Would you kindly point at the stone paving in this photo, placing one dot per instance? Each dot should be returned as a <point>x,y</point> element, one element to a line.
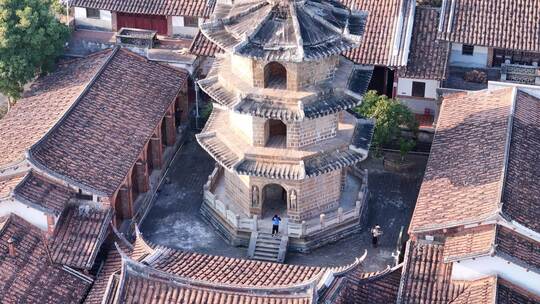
<point>174,219</point>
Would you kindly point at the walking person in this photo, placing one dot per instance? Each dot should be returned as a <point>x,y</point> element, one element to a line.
<point>275,225</point>
<point>375,233</point>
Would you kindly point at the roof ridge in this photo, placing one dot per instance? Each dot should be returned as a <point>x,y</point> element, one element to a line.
<point>29,152</point>
<point>509,134</point>
<point>304,286</point>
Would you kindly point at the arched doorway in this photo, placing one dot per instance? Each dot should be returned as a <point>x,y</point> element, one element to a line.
<point>275,76</point>
<point>274,199</point>
<point>277,133</point>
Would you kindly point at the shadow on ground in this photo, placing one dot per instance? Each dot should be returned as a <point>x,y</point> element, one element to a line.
<point>174,219</point>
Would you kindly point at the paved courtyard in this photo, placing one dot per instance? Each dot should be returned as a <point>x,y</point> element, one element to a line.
<point>174,219</point>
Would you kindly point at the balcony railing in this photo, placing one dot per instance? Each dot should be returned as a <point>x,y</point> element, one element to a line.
<point>297,230</point>
<point>525,74</point>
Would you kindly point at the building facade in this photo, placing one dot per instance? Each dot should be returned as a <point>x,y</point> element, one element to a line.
<point>167,18</point>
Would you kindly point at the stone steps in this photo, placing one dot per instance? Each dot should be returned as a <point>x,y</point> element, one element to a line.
<point>265,247</point>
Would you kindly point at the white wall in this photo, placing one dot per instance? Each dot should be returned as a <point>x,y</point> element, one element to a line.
<point>404,87</point>
<point>181,30</point>
<point>478,59</point>
<point>35,217</point>
<point>103,23</point>
<point>484,266</point>
<point>243,124</point>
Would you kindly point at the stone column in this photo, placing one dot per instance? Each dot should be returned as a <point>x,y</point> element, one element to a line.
<point>126,202</point>
<point>170,130</point>
<point>141,172</point>
<point>157,150</point>
<point>114,22</point>
<point>169,26</point>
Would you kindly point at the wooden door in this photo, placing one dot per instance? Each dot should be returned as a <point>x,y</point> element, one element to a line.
<point>146,22</point>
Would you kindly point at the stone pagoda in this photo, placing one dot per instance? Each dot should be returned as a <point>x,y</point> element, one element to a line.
<point>280,131</point>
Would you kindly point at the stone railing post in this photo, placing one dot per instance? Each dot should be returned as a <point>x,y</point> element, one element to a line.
<point>304,228</point>
<point>255,223</point>
<point>357,207</point>
<point>340,214</point>
<point>322,216</point>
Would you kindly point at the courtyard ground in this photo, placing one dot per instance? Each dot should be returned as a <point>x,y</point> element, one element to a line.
<point>174,219</point>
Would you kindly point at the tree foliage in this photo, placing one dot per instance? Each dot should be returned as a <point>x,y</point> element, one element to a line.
<point>391,116</point>
<point>31,39</point>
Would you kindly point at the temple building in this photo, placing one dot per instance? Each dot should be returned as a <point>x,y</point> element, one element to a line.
<point>95,134</point>
<point>279,131</point>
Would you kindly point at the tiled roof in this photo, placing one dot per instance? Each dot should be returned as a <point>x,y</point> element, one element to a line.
<point>44,104</point>
<point>464,172</point>
<point>521,194</point>
<point>385,37</point>
<point>78,235</point>
<point>8,184</point>
<point>40,191</point>
<point>269,169</point>
<point>517,246</point>
<point>30,277</point>
<point>469,164</point>
<point>375,287</point>
<point>113,263</point>
<point>201,46</point>
<point>231,271</point>
<point>508,293</point>
<point>426,278</point>
<point>218,150</point>
<point>469,243</point>
<point>481,291</point>
<point>427,55</point>
<point>99,139</point>
<point>285,31</point>
<point>142,284</point>
<point>506,24</point>
<point>198,8</point>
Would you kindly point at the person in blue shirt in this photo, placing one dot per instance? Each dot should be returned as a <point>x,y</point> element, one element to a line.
<point>275,225</point>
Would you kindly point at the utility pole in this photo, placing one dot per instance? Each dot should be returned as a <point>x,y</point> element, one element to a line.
<point>196,103</point>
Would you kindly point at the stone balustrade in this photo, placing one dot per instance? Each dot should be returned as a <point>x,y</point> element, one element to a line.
<point>292,229</point>
<point>525,74</point>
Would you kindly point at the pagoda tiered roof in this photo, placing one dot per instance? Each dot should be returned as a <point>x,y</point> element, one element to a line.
<point>340,93</point>
<point>285,30</point>
<point>351,145</point>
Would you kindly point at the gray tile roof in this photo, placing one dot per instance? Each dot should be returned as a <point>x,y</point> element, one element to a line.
<point>290,31</point>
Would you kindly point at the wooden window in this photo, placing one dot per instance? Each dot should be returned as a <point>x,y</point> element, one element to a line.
<point>467,50</point>
<point>190,21</point>
<point>92,13</point>
<point>418,89</point>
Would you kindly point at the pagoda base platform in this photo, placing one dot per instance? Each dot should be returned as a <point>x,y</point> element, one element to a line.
<point>236,227</point>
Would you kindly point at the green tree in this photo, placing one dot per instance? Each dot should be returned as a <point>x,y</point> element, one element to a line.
<point>31,39</point>
<point>391,116</point>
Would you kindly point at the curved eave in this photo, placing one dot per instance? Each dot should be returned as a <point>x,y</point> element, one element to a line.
<point>287,171</point>
<point>218,150</point>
